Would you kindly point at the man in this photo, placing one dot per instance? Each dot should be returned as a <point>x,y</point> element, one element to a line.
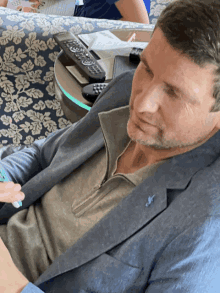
<point>128,198</point>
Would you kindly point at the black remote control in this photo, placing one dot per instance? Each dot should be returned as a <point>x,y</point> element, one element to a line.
<point>91,91</point>
<point>134,56</point>
<point>78,52</point>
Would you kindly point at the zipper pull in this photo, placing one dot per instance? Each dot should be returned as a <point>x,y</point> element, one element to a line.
<point>100,185</point>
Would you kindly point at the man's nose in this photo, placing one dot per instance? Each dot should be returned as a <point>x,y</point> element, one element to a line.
<point>149,99</point>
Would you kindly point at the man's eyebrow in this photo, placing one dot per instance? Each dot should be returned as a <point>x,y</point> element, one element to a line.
<point>170,86</point>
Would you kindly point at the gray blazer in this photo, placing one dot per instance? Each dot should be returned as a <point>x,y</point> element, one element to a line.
<point>163,237</point>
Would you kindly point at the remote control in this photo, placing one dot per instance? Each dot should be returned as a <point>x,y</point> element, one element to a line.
<point>3,178</point>
<point>76,51</point>
<point>134,56</point>
<point>91,91</point>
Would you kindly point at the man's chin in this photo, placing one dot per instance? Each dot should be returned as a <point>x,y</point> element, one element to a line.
<point>142,138</point>
<point>139,138</point>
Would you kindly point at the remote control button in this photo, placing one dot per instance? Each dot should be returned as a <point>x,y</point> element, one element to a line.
<point>74,49</point>
<point>81,47</point>
<point>79,55</point>
<point>87,62</point>
<point>71,43</point>
<point>68,44</point>
<point>96,67</point>
<point>91,70</point>
<point>78,44</point>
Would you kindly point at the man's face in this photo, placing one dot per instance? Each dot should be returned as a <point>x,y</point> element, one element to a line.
<point>180,120</point>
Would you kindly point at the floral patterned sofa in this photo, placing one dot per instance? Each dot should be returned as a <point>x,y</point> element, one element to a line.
<point>29,109</point>
<point>156,7</point>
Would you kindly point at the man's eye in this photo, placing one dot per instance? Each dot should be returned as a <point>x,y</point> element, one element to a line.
<point>146,68</point>
<point>171,93</point>
<point>148,71</point>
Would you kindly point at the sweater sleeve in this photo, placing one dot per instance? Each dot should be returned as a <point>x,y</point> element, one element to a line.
<point>24,164</point>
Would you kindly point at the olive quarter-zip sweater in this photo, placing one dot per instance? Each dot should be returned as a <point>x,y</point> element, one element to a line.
<point>36,236</point>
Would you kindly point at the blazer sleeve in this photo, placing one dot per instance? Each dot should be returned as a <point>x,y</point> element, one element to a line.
<point>24,164</point>
<point>191,262</point>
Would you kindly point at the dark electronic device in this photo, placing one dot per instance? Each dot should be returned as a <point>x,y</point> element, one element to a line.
<point>134,56</point>
<point>76,51</point>
<point>122,64</point>
<point>91,91</point>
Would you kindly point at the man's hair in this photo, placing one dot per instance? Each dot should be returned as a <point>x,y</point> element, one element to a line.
<point>193,29</point>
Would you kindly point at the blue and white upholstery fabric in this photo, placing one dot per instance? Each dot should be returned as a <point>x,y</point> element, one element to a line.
<point>29,109</point>
<point>156,7</point>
